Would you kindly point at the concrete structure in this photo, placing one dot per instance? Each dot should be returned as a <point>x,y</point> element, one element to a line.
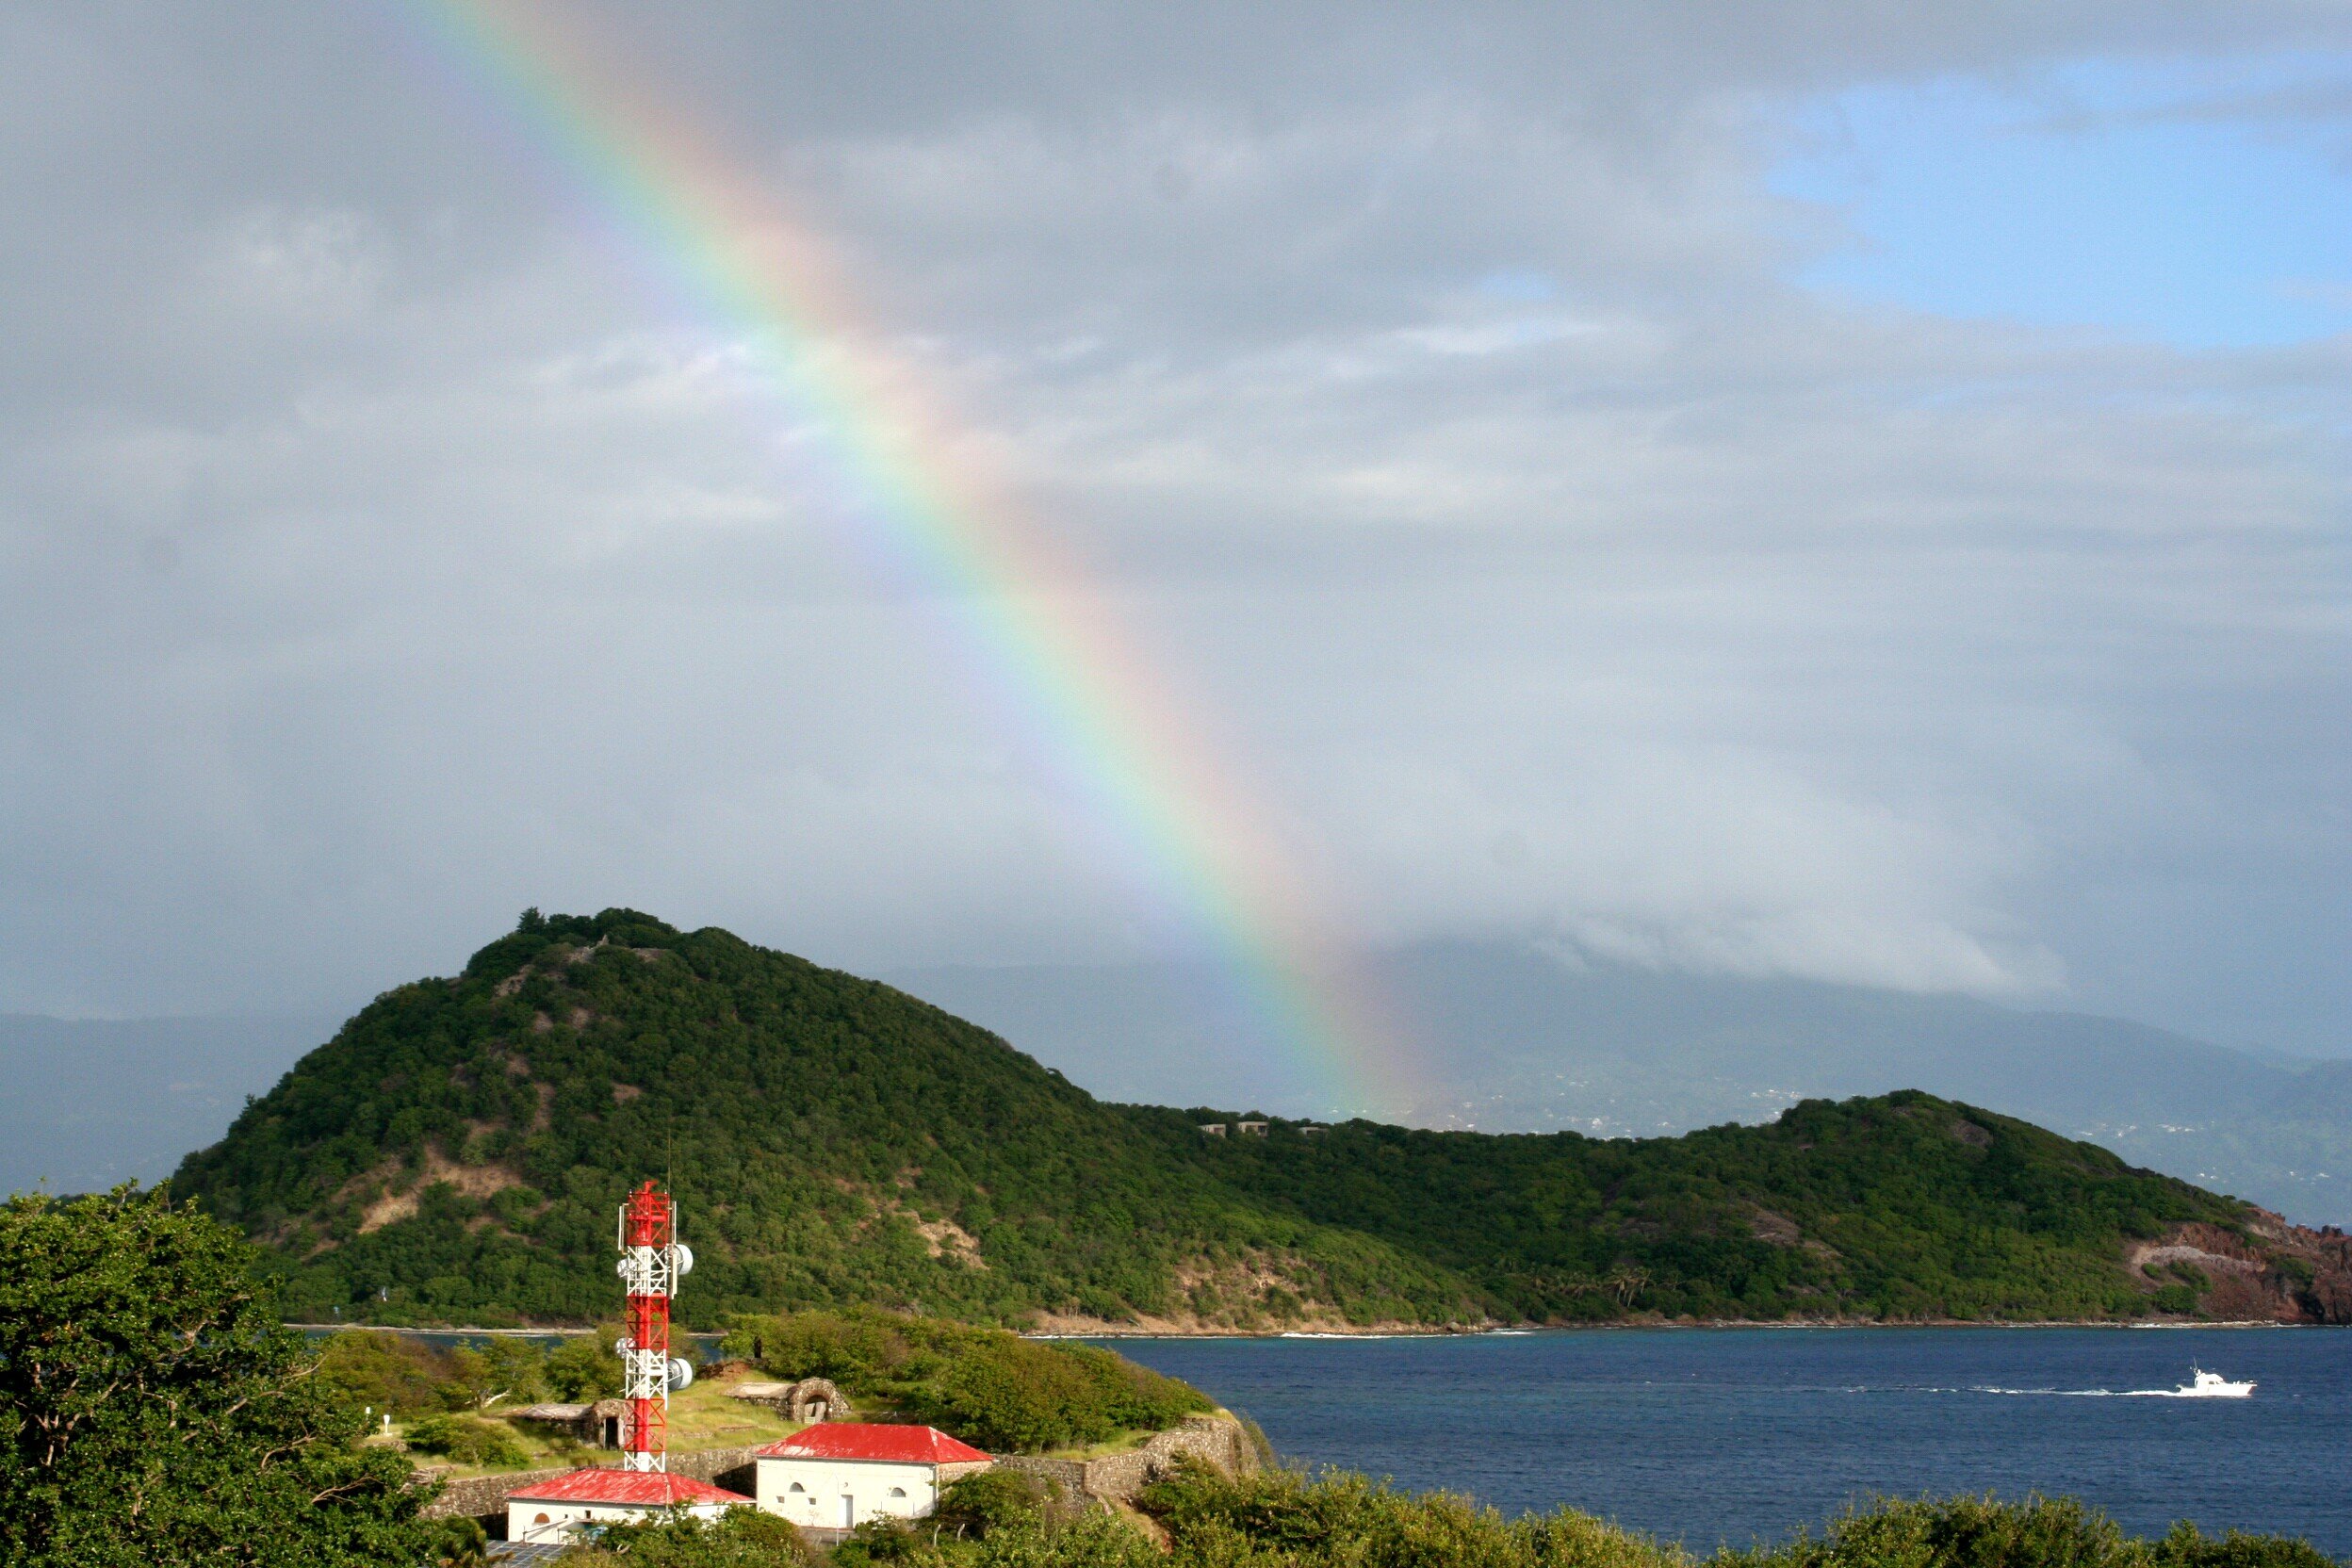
<point>839,1476</point>
<point>599,1426</point>
<point>809,1400</point>
<point>1215,1129</point>
<point>555,1510</point>
<point>1217,1441</point>
<point>1250,1129</point>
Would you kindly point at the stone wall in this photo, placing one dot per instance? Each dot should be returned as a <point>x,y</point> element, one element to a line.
<point>480,1496</point>
<point>1118,1478</point>
<point>732,1468</point>
<point>1065,1481</point>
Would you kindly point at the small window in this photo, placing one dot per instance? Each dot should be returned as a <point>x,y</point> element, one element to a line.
<point>898,1492</point>
<point>541,1520</point>
<point>796,1486</point>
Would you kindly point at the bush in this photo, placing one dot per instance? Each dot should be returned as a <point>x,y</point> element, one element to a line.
<point>467,1440</point>
<point>1341,1521</point>
<point>2184,1547</point>
<point>994,1500</point>
<point>1348,1522</point>
<point>2039,1532</point>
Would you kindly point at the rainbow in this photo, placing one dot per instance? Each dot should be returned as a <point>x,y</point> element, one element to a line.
<point>1024,611</point>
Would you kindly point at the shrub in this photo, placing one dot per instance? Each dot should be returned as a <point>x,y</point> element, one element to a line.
<point>997,1499</point>
<point>1089,1540</point>
<point>2039,1532</point>
<point>1348,1522</point>
<point>467,1440</point>
<point>2184,1547</point>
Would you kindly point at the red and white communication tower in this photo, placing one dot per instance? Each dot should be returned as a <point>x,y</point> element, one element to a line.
<point>653,1260</point>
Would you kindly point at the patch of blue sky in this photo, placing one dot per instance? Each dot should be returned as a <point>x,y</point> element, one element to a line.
<point>1519,286</point>
<point>2198,203</point>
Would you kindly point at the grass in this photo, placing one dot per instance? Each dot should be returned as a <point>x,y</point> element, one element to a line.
<point>1124,1442</point>
<point>703,1417</point>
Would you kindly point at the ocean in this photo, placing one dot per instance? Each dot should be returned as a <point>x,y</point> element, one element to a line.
<point>1732,1435</point>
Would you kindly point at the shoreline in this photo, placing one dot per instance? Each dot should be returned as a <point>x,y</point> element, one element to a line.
<point>1115,1331</point>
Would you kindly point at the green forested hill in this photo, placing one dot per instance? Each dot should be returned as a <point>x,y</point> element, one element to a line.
<point>456,1151</point>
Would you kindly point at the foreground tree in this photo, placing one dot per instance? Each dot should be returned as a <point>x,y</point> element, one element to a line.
<point>154,1412</point>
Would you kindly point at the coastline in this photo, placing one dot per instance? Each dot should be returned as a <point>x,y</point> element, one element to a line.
<point>1697,1326</point>
<point>1067,1328</point>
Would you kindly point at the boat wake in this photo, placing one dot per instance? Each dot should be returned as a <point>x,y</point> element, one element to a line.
<point>2203,1386</point>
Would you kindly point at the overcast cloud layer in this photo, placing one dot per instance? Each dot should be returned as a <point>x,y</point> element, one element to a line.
<point>385,545</point>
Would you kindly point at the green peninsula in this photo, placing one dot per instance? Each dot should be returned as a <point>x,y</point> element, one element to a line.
<point>455,1153</point>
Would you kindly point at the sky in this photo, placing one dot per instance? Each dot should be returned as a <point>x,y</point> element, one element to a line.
<point>1835,492</point>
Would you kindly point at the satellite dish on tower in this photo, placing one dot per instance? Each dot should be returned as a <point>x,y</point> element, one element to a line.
<point>681,1375</point>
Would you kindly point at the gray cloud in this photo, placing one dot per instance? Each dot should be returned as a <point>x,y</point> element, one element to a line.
<point>381,546</point>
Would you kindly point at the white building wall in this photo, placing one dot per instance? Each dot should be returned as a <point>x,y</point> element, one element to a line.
<point>838,1494</point>
<point>559,1521</point>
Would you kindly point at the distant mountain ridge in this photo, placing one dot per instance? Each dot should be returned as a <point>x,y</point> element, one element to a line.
<point>1515,1040</point>
<point>453,1153</point>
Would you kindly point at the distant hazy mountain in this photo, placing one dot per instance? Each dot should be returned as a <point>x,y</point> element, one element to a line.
<point>1513,1041</point>
<point>92,1104</point>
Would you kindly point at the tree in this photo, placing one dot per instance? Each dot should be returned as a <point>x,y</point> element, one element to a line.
<point>505,1368</point>
<point>585,1368</point>
<point>383,1373</point>
<point>155,1412</point>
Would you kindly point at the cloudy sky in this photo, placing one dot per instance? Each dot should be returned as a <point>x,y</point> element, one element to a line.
<point>1855,492</point>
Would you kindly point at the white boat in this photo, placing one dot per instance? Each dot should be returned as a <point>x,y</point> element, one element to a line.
<point>2212,1385</point>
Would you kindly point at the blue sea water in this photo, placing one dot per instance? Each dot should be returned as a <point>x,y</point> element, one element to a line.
<point>1713,1436</point>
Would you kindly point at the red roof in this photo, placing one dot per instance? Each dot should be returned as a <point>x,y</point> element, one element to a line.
<point>638,1488</point>
<point>860,1440</point>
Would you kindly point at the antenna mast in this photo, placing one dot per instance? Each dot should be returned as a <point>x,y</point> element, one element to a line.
<point>653,1260</point>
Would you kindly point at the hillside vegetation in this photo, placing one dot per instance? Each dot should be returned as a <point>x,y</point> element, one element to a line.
<point>992,1389</point>
<point>456,1151</point>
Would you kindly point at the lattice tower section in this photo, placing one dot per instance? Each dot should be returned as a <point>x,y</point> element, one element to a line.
<point>652,1262</point>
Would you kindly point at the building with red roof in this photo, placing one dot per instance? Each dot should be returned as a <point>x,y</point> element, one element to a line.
<point>838,1474</point>
<point>557,1509</point>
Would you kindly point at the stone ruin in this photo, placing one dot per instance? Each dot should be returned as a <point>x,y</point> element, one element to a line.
<point>811,1399</point>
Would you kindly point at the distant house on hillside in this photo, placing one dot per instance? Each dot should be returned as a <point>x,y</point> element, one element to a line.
<point>1214,1129</point>
<point>1250,1129</point>
<point>837,1476</point>
<point>559,1509</point>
